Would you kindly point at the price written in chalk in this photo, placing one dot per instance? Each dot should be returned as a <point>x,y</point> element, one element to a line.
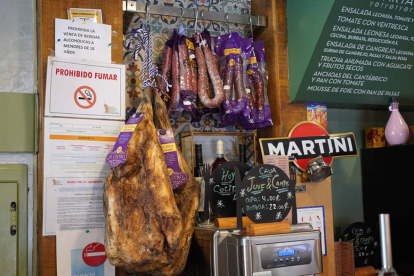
<point>267,194</point>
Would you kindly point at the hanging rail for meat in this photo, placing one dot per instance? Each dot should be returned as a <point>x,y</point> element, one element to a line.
<point>246,19</point>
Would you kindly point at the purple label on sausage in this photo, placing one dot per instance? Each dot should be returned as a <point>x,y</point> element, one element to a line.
<point>118,154</point>
<point>169,147</point>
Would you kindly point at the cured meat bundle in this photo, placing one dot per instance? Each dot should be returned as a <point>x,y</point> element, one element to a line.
<point>186,197</point>
<point>148,225</point>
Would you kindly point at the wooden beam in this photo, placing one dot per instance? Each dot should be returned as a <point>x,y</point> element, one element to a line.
<point>47,11</point>
<point>284,114</point>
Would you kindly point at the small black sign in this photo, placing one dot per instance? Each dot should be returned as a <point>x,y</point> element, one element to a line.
<point>362,236</point>
<point>222,188</point>
<point>267,194</point>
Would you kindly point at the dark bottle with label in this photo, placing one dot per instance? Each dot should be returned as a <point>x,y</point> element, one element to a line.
<point>242,153</point>
<point>198,175</point>
<point>220,155</point>
<point>198,160</point>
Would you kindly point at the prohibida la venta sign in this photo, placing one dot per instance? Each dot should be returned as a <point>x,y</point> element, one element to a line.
<point>308,140</point>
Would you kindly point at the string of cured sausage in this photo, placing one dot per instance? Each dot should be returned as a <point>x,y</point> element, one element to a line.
<point>224,78</point>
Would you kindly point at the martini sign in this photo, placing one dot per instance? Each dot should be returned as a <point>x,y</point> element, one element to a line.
<point>308,140</point>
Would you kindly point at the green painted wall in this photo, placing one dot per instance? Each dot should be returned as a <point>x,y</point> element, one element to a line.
<point>17,122</point>
<point>347,178</point>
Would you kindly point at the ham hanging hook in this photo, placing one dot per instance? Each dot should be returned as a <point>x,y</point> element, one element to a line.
<point>202,19</point>
<point>148,15</point>
<point>196,19</point>
<point>228,23</point>
<point>179,19</point>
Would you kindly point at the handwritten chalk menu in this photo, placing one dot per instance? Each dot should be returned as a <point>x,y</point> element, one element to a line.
<point>351,51</point>
<point>82,41</point>
<point>267,194</point>
<point>362,236</point>
<point>222,188</point>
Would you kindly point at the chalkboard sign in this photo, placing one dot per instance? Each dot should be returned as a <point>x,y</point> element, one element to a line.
<point>267,194</point>
<point>362,236</point>
<point>222,188</point>
<point>351,51</point>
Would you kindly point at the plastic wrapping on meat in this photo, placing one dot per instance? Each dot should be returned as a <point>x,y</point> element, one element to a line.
<point>166,69</point>
<point>174,108</point>
<point>256,80</point>
<point>187,98</point>
<point>229,49</point>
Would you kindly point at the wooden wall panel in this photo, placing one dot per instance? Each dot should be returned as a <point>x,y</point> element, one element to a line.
<point>286,114</point>
<point>47,11</point>
<point>319,194</point>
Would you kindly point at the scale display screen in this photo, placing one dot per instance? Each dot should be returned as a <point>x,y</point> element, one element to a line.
<point>286,253</point>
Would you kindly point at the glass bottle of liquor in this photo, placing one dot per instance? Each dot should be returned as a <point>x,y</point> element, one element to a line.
<point>220,155</point>
<point>242,153</point>
<point>198,160</point>
<point>198,175</point>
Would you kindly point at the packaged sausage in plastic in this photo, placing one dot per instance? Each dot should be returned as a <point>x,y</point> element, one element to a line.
<point>204,86</point>
<point>163,85</point>
<point>192,59</point>
<point>187,97</point>
<point>208,67</point>
<point>174,108</point>
<point>232,66</point>
<point>257,71</point>
<point>247,122</point>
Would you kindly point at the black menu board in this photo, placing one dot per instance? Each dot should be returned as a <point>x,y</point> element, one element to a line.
<point>362,236</point>
<point>222,188</point>
<point>267,194</point>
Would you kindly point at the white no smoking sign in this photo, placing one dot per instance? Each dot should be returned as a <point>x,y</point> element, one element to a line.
<point>85,89</point>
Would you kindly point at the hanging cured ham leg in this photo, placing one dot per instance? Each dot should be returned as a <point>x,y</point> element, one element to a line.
<point>144,226</point>
<point>148,226</point>
<point>186,197</point>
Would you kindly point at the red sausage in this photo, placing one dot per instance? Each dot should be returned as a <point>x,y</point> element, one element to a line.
<point>202,72</point>
<point>175,82</point>
<point>250,93</point>
<point>228,79</point>
<point>212,68</point>
<point>192,59</point>
<point>259,87</point>
<point>166,63</point>
<point>238,77</point>
<point>185,72</point>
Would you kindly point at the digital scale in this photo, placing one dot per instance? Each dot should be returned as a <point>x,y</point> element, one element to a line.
<point>229,252</point>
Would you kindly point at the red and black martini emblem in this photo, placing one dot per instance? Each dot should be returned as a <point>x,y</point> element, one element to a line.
<point>308,140</point>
